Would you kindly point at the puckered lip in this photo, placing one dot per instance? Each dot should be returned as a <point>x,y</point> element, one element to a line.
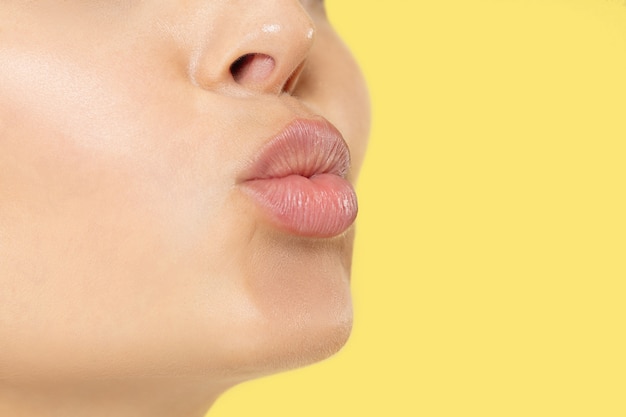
<point>298,180</point>
<point>305,147</point>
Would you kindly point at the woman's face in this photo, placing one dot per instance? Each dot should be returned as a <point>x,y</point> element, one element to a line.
<point>171,200</point>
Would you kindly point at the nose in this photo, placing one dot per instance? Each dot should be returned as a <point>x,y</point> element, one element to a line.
<point>260,47</point>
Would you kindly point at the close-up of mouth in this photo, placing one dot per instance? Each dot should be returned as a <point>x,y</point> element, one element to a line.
<point>298,178</point>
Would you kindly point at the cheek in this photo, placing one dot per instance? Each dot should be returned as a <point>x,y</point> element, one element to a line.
<point>82,158</point>
<point>107,236</point>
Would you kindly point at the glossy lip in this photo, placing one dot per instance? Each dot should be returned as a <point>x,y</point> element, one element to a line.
<point>299,180</point>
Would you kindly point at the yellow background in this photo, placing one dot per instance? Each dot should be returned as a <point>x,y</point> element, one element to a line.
<point>490,268</point>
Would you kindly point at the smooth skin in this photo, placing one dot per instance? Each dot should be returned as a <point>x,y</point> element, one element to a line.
<point>136,279</point>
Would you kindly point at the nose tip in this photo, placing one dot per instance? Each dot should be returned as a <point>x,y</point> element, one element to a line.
<point>263,51</point>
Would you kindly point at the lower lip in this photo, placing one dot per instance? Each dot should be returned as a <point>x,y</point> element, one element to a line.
<point>324,205</point>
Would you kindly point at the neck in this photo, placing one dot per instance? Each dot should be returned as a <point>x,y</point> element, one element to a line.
<point>138,397</point>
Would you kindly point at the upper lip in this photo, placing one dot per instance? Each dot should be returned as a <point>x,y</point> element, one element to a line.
<point>305,147</point>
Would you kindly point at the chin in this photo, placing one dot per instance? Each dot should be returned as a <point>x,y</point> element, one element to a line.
<point>299,304</point>
<point>277,346</point>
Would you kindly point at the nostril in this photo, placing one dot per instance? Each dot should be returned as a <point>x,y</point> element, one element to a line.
<point>252,68</point>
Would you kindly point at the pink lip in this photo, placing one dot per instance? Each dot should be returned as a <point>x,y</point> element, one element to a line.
<point>299,180</point>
